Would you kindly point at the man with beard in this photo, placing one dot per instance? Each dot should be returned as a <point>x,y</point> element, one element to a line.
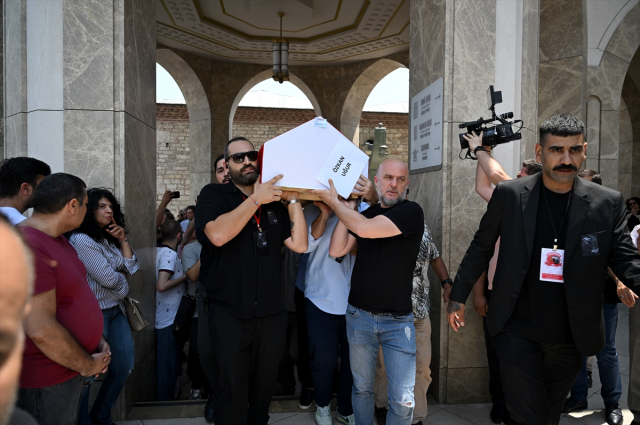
<point>244,226</point>
<point>379,310</point>
<point>546,303</point>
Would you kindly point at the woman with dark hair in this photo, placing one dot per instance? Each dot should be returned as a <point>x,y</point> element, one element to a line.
<point>633,212</point>
<point>103,247</point>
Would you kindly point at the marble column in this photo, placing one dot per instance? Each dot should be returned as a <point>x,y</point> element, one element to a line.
<point>80,95</point>
<point>471,44</point>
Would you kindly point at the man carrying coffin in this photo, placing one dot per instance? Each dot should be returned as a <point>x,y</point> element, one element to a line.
<point>246,225</point>
<point>379,311</point>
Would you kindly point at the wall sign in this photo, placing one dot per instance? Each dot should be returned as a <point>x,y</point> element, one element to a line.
<point>425,133</point>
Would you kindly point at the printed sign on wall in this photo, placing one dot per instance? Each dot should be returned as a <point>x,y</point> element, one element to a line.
<point>425,140</point>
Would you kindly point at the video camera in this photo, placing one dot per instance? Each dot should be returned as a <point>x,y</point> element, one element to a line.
<point>495,135</point>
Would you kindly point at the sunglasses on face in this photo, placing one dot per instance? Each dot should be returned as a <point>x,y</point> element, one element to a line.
<point>238,158</point>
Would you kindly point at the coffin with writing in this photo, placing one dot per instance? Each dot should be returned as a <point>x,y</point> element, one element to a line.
<point>309,155</point>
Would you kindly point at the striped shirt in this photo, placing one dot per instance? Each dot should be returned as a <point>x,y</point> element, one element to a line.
<point>104,262</point>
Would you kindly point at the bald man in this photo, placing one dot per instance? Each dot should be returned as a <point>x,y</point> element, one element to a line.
<point>16,263</point>
<point>379,314</point>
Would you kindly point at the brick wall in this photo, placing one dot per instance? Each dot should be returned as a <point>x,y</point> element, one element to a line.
<point>257,125</point>
<point>172,143</point>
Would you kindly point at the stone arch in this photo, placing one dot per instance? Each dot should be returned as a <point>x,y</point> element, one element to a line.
<point>200,167</point>
<point>358,94</point>
<point>265,75</point>
<point>606,82</point>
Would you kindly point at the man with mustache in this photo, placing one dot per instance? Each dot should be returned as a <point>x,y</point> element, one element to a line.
<point>244,225</point>
<point>379,310</point>
<point>546,305</point>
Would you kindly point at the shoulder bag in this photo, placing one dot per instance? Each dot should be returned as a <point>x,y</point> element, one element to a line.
<point>137,321</point>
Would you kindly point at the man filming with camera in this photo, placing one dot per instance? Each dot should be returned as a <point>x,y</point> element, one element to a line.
<point>546,306</point>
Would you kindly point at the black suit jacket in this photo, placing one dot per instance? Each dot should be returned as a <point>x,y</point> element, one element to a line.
<point>511,215</point>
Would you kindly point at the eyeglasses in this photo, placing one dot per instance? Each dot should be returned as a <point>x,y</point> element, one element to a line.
<point>238,158</point>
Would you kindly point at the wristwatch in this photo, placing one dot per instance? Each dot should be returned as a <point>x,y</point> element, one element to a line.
<point>479,148</point>
<point>293,201</point>
<point>444,282</point>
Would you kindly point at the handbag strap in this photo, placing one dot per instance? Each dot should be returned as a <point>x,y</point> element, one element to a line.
<point>135,309</point>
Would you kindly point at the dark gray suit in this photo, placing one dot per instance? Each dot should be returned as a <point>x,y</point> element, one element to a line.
<point>512,216</point>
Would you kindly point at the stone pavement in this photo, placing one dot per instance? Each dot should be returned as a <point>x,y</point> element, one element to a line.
<point>469,414</point>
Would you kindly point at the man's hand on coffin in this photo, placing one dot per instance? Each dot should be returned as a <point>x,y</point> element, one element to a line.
<point>364,187</point>
<point>349,203</point>
<point>265,193</point>
<point>328,196</point>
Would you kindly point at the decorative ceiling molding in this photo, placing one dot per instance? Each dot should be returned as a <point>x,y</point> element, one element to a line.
<point>380,28</point>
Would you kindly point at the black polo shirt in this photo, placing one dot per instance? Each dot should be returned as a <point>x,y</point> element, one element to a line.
<point>237,280</point>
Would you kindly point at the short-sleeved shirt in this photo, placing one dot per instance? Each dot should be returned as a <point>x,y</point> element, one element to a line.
<point>13,215</point>
<point>190,256</point>
<point>167,302</point>
<point>382,279</point>
<point>239,281</point>
<point>420,294</point>
<point>58,267</point>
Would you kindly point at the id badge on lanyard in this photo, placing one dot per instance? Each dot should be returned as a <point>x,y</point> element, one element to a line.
<point>260,236</point>
<point>552,259</point>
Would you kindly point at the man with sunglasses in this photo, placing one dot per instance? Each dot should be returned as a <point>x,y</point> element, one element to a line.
<point>244,226</point>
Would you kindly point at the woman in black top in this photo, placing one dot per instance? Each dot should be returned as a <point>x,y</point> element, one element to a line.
<point>633,212</point>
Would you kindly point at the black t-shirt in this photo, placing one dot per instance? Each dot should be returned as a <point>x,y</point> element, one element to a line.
<point>382,278</point>
<point>237,279</point>
<point>541,313</point>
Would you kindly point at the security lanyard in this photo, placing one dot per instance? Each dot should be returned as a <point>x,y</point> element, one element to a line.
<point>256,217</point>
<point>553,222</point>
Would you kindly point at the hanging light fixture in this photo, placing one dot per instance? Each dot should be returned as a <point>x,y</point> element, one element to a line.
<point>280,56</point>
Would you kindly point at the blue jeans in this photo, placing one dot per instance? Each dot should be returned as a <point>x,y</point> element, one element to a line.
<point>396,335</point>
<point>118,335</point>
<point>608,365</point>
<point>166,364</point>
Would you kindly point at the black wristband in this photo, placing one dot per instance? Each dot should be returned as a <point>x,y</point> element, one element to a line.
<point>479,148</point>
<point>444,282</point>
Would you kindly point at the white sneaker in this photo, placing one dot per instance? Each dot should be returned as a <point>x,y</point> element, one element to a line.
<point>345,420</point>
<point>323,416</point>
<point>195,394</point>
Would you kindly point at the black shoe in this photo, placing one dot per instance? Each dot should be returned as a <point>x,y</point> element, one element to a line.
<point>573,405</point>
<point>613,414</point>
<point>499,414</point>
<point>589,380</point>
<point>208,409</point>
<point>306,398</point>
<point>381,415</point>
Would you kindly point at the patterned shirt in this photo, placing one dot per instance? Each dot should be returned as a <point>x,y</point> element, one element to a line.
<point>420,294</point>
<point>105,263</point>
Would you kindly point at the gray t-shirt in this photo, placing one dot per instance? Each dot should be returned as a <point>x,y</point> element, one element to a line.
<point>190,256</point>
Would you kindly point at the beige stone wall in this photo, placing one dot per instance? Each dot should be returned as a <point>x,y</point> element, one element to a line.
<point>172,167</point>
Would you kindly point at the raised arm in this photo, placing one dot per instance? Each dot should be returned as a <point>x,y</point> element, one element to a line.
<point>299,239</point>
<point>492,168</point>
<point>166,198</point>
<point>55,341</point>
<point>342,242</point>
<point>227,226</point>
<point>374,228</point>
<point>483,184</point>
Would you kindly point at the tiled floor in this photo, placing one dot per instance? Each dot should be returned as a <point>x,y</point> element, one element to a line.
<point>469,414</point>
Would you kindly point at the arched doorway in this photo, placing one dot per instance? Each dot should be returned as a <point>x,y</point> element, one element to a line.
<point>265,75</point>
<point>358,94</point>
<point>200,166</point>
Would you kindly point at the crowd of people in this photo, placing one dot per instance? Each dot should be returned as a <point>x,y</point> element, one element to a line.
<point>256,283</point>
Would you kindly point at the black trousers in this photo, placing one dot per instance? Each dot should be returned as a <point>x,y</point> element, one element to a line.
<point>536,377</point>
<point>495,382</point>
<point>248,353</point>
<point>207,359</point>
<point>327,342</point>
<point>286,376</point>
<point>304,358</point>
